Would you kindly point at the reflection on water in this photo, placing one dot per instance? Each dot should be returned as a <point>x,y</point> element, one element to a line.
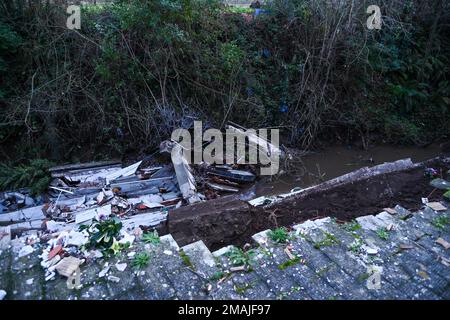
<point>336,161</point>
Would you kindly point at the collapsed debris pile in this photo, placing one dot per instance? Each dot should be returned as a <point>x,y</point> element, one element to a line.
<point>97,209</point>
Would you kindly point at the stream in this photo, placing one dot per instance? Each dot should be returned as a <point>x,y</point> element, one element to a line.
<point>339,160</point>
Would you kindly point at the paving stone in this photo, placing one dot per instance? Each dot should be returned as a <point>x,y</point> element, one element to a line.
<point>307,281</point>
<point>57,290</point>
<point>356,268</point>
<point>329,271</point>
<point>280,283</point>
<point>201,258</point>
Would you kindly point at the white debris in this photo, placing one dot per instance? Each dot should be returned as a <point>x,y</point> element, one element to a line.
<point>371,251</point>
<point>131,254</point>
<point>75,238</point>
<point>121,266</point>
<point>49,275</point>
<point>30,281</point>
<point>98,213</point>
<point>53,226</point>
<point>102,273</point>
<point>94,254</point>
<point>127,238</point>
<point>168,252</point>
<point>104,196</point>
<point>113,279</point>
<point>2,294</point>
<point>25,250</point>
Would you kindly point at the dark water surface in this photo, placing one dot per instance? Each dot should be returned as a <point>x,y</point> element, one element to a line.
<point>336,161</point>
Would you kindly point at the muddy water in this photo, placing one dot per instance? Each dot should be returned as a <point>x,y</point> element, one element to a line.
<point>336,161</point>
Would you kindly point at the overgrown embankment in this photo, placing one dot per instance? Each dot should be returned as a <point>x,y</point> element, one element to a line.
<point>138,69</point>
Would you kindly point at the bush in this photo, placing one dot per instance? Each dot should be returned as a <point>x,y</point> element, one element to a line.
<point>35,175</point>
<point>139,69</point>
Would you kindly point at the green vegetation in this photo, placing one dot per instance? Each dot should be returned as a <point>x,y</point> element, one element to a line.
<point>141,260</point>
<point>244,10</point>
<point>441,222</point>
<point>217,276</point>
<point>289,263</point>
<point>382,233</point>
<point>186,259</point>
<point>103,235</point>
<point>328,241</point>
<point>139,69</point>
<point>279,235</point>
<point>352,226</point>
<point>241,289</point>
<point>239,257</point>
<point>447,195</point>
<point>355,246</point>
<point>34,175</point>
<point>151,237</point>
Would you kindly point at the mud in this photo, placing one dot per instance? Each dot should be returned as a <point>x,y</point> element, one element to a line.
<point>228,220</point>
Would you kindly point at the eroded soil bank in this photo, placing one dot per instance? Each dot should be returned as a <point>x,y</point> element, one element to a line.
<point>229,220</point>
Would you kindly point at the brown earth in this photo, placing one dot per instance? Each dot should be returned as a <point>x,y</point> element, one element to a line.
<point>228,220</point>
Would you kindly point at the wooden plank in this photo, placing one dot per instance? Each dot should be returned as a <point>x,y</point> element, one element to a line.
<point>186,181</point>
<point>125,172</point>
<point>86,165</point>
<point>27,214</point>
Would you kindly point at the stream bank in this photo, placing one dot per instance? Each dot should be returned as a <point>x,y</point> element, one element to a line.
<point>367,191</point>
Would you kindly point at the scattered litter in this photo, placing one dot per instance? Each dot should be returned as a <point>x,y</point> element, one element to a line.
<point>78,239</point>
<point>121,266</point>
<point>97,213</point>
<point>431,173</point>
<point>289,253</point>
<point>113,279</point>
<point>137,232</point>
<point>168,252</point>
<point>127,238</point>
<point>238,269</point>
<point>67,266</point>
<point>425,201</point>
<point>30,281</point>
<point>436,206</point>
<point>53,226</point>
<point>443,243</point>
<point>25,250</point>
<point>445,261</point>
<point>371,251</point>
<point>104,271</point>
<point>390,227</point>
<point>55,251</point>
